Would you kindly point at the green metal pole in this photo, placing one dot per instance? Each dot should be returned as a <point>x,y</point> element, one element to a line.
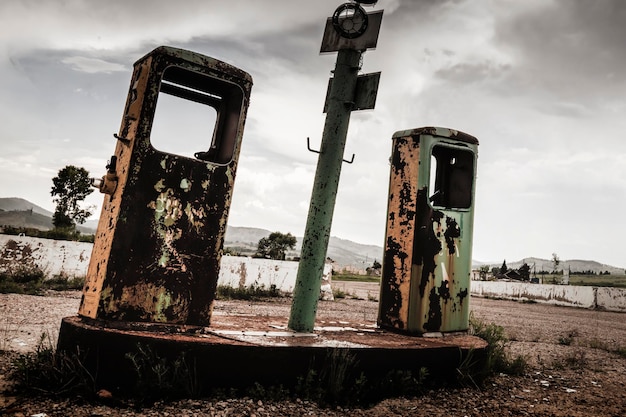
<point>317,233</point>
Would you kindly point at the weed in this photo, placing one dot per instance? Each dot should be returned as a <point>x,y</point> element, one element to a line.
<point>355,277</point>
<point>340,362</point>
<point>568,338</point>
<point>396,383</point>
<point>576,359</point>
<point>31,280</point>
<point>467,370</point>
<point>308,386</point>
<point>558,364</point>
<point>253,292</point>
<point>64,283</point>
<point>47,372</point>
<point>271,393</point>
<point>355,296</point>
<point>23,280</point>
<point>327,384</point>
<point>606,346</point>
<point>497,359</point>
<point>338,293</point>
<point>518,365</point>
<point>337,382</point>
<point>599,344</point>
<point>160,377</point>
<point>371,297</point>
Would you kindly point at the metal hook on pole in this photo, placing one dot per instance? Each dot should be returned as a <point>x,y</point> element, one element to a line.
<point>308,146</point>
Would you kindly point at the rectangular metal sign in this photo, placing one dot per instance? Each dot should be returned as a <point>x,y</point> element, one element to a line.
<point>332,41</point>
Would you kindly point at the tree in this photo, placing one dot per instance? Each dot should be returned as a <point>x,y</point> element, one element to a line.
<point>524,272</point>
<point>374,269</point>
<point>504,268</point>
<point>483,271</point>
<point>555,263</point>
<point>275,245</point>
<point>69,188</point>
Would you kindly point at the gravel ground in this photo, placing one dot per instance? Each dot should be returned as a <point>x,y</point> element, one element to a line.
<point>574,368</point>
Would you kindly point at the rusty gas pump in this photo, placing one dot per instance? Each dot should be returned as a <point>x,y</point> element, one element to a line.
<point>428,243</point>
<point>162,226</point>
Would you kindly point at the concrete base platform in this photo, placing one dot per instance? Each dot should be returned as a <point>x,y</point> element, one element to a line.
<point>239,351</point>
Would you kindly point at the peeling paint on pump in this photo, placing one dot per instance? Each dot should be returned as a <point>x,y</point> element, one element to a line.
<point>161,231</point>
<point>427,260</point>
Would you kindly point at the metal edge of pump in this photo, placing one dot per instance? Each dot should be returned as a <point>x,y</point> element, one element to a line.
<point>199,59</point>
<point>437,131</point>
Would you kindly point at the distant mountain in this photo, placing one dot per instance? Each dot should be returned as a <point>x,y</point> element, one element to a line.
<point>19,204</point>
<point>244,236</point>
<point>22,213</point>
<point>18,212</point>
<point>575,265</point>
<point>343,252</point>
<point>25,218</point>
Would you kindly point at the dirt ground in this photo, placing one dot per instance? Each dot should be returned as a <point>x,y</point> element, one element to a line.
<point>574,370</point>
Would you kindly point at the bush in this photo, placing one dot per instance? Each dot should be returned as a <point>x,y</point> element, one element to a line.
<point>31,281</point>
<point>25,280</point>
<point>64,283</point>
<point>252,292</point>
<point>498,360</point>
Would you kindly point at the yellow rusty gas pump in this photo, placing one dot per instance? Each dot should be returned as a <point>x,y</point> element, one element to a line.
<point>428,243</point>
<point>163,221</point>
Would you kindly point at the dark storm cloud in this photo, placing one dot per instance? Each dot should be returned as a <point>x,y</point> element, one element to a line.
<point>568,48</point>
<point>294,48</point>
<point>529,79</point>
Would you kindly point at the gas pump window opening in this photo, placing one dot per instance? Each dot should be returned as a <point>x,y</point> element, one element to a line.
<point>196,116</point>
<point>451,177</point>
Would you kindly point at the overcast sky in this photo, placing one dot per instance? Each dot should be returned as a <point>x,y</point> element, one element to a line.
<point>540,83</point>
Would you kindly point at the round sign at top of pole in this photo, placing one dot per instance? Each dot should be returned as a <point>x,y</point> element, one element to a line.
<point>350,20</point>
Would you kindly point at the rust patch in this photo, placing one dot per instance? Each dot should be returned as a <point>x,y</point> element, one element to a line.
<point>426,243</point>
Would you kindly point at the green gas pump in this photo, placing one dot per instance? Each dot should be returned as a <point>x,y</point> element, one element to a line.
<point>428,242</point>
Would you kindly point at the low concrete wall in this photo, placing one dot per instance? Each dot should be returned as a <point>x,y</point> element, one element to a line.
<point>238,271</point>
<point>59,257</point>
<point>612,299</point>
<point>53,257</point>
